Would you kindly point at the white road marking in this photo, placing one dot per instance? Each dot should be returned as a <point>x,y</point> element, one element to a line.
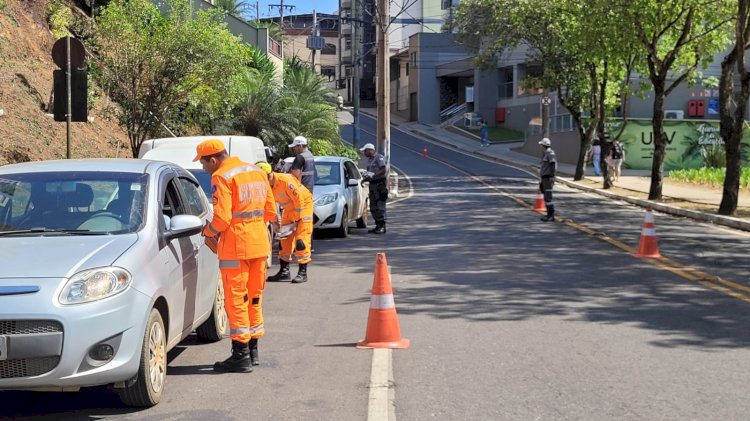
<point>382,395</point>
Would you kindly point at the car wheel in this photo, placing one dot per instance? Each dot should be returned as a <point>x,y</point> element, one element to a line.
<point>213,329</point>
<point>343,229</point>
<point>362,221</point>
<point>152,371</point>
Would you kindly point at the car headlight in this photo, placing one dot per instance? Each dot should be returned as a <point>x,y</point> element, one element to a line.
<point>95,284</point>
<point>326,199</point>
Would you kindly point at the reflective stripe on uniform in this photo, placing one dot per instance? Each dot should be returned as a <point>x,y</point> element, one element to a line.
<point>251,214</point>
<point>307,256</point>
<point>285,257</point>
<point>283,204</point>
<point>229,263</point>
<point>382,301</point>
<point>240,331</point>
<point>244,168</point>
<point>212,229</point>
<point>307,218</point>
<point>298,210</point>
<point>256,329</point>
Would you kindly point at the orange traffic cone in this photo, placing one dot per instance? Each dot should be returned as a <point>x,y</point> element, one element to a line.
<point>539,205</point>
<point>647,245</point>
<point>382,322</point>
<point>424,151</point>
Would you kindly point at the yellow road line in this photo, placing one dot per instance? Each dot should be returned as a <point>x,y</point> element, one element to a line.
<point>689,273</point>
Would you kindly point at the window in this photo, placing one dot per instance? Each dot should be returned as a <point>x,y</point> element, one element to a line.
<point>351,171</point>
<point>171,204</point>
<point>407,69</point>
<point>193,195</point>
<point>327,174</point>
<point>413,58</point>
<point>329,71</point>
<point>328,50</point>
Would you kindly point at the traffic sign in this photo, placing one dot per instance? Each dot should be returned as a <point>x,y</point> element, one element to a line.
<point>546,100</point>
<point>77,53</point>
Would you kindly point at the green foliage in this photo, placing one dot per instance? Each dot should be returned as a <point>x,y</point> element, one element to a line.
<point>180,68</point>
<point>59,17</point>
<point>709,176</point>
<point>327,148</point>
<point>274,30</point>
<point>233,7</point>
<point>302,106</point>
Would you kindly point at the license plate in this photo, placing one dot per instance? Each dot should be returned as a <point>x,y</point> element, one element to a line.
<point>3,348</point>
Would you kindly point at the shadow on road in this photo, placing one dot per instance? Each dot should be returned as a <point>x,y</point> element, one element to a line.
<point>477,256</point>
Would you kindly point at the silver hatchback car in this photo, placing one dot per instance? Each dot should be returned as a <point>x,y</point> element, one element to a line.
<point>103,271</point>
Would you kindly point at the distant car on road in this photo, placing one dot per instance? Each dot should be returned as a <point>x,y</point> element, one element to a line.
<point>339,196</point>
<point>104,270</point>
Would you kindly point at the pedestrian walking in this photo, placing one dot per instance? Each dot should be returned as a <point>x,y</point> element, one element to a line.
<point>339,102</point>
<point>547,174</point>
<point>303,166</point>
<point>484,134</point>
<point>243,203</point>
<point>617,153</point>
<point>376,175</point>
<point>596,156</point>
<point>297,208</point>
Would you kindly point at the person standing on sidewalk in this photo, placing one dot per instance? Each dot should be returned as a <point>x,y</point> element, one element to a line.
<point>303,166</point>
<point>243,203</point>
<point>547,174</point>
<point>297,208</point>
<point>484,134</point>
<point>617,153</point>
<point>376,175</point>
<point>596,156</point>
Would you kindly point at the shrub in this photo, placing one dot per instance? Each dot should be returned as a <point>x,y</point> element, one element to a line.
<point>709,176</point>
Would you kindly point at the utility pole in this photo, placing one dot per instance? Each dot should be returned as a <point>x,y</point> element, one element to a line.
<point>383,88</point>
<point>281,8</point>
<point>257,11</point>
<point>546,101</point>
<point>315,34</point>
<point>355,70</point>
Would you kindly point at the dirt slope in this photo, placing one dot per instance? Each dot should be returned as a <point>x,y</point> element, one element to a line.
<point>27,133</point>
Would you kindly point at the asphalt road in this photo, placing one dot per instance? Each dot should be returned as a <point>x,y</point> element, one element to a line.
<point>508,317</point>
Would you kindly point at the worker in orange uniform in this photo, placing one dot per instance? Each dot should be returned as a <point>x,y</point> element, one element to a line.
<point>297,204</point>
<point>243,203</point>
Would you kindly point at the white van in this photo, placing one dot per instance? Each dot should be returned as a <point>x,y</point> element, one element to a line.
<point>181,151</point>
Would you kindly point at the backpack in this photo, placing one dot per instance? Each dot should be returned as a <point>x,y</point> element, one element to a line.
<point>617,151</point>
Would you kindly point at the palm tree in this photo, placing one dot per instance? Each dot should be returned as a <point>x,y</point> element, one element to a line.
<point>233,7</point>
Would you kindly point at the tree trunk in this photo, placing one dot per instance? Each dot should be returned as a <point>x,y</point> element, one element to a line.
<point>730,193</point>
<point>660,141</point>
<point>732,124</point>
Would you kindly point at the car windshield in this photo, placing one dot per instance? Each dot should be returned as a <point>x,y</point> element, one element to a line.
<point>327,174</point>
<point>204,179</point>
<point>74,202</point>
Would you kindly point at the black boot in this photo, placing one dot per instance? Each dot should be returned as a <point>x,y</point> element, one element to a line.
<point>283,273</point>
<point>239,362</point>
<point>301,275</point>
<point>254,351</point>
<point>380,229</point>
<point>550,214</point>
<point>377,227</point>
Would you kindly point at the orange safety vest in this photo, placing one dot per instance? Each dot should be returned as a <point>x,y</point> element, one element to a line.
<point>294,198</point>
<point>243,203</point>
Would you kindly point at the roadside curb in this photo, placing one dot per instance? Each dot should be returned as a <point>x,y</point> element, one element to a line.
<point>727,221</point>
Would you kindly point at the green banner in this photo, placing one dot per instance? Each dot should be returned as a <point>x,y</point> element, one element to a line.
<point>690,144</point>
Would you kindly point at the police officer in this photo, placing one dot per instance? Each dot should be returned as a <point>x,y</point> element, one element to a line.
<point>303,166</point>
<point>547,174</point>
<point>376,175</point>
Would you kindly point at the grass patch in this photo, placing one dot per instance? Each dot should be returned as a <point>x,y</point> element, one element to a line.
<point>498,134</point>
<point>709,176</point>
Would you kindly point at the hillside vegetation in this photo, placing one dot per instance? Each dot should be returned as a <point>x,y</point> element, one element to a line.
<point>26,131</point>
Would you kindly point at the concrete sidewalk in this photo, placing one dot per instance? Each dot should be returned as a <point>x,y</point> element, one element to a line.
<point>681,199</point>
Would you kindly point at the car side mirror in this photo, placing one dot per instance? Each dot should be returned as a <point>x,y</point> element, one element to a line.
<point>352,182</point>
<point>184,225</point>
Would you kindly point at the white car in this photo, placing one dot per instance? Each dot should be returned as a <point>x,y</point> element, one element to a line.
<point>340,199</point>
<point>181,151</point>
